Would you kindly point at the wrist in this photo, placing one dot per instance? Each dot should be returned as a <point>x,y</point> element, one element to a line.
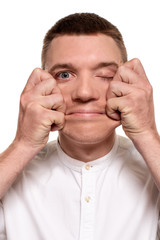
<point>18,152</point>
<point>146,141</point>
<point>25,147</point>
<point>12,162</point>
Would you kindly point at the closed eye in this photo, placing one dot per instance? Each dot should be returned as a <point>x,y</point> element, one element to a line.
<point>106,78</point>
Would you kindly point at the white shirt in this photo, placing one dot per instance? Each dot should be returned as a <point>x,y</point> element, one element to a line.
<point>60,198</point>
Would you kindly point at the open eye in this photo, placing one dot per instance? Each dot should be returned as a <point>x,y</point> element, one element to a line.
<point>63,75</point>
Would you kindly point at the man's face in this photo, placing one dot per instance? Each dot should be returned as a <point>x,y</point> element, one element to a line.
<point>83,67</point>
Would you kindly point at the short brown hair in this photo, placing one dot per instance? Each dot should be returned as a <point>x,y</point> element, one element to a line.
<point>83,23</point>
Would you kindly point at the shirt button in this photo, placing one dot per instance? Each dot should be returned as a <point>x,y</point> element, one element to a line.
<point>88,167</point>
<point>87,199</point>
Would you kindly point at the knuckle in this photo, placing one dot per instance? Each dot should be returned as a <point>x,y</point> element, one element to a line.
<point>121,69</point>
<point>61,116</point>
<point>61,99</point>
<point>109,103</point>
<point>56,89</point>
<point>114,85</point>
<point>32,108</point>
<point>23,99</point>
<point>58,98</point>
<point>150,89</point>
<point>140,94</point>
<point>52,82</point>
<point>136,61</point>
<point>37,71</point>
<point>146,93</point>
<point>43,114</point>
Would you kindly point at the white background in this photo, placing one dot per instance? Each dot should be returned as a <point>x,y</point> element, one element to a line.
<point>23,25</point>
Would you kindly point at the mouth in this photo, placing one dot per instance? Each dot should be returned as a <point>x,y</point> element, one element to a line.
<point>86,113</point>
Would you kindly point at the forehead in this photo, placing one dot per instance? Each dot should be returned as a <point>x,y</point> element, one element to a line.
<point>83,49</point>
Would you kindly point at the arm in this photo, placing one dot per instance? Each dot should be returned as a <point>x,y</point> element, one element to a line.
<point>12,162</point>
<point>36,120</point>
<point>130,100</point>
<point>149,147</point>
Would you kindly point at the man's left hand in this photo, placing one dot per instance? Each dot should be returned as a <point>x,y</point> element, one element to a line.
<point>130,100</point>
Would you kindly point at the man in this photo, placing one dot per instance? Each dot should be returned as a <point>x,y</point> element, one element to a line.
<point>90,183</point>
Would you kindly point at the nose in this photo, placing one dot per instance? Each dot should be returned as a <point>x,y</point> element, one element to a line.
<point>85,90</point>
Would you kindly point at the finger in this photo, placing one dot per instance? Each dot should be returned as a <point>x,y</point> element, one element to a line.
<point>119,89</point>
<point>56,119</point>
<point>46,87</point>
<point>127,75</point>
<point>53,101</point>
<point>136,65</point>
<point>36,77</point>
<point>115,107</point>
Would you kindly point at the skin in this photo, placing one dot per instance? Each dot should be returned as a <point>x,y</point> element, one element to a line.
<point>88,132</point>
<point>90,102</point>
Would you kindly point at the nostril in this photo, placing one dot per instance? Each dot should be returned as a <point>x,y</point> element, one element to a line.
<point>84,97</point>
<point>85,93</point>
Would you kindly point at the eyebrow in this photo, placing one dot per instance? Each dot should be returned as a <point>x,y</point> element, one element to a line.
<point>106,64</point>
<point>59,66</point>
<point>70,66</point>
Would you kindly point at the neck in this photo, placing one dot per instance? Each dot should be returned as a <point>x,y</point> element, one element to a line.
<point>86,151</point>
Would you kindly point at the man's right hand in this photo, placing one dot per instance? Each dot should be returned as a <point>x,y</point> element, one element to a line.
<point>41,110</point>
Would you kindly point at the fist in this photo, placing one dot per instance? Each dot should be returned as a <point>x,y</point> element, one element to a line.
<point>130,100</point>
<point>41,110</point>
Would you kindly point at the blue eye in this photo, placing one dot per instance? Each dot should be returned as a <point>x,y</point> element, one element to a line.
<point>64,75</point>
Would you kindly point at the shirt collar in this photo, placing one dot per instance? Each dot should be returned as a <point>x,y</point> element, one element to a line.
<point>95,165</point>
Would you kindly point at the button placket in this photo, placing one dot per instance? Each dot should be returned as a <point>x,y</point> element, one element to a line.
<point>87,203</point>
